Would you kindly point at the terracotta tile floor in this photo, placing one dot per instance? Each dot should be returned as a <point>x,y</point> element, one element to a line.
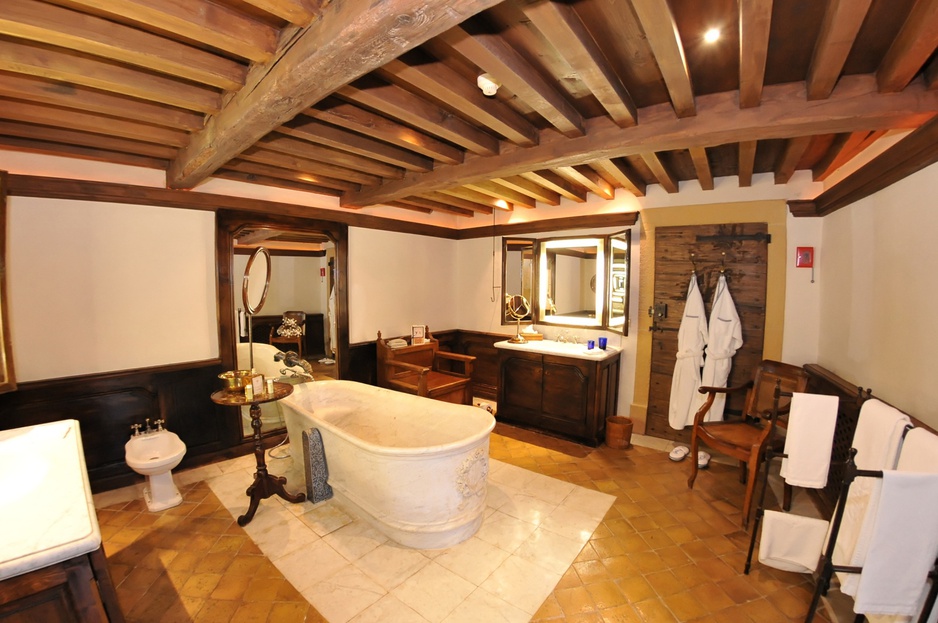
<point>662,553</point>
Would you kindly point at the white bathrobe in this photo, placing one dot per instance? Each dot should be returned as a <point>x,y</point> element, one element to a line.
<point>691,339</point>
<point>726,336</point>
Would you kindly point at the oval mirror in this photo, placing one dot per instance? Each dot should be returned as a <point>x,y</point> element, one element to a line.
<point>256,281</point>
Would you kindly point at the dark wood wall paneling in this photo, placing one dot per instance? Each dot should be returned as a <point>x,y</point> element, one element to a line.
<point>106,405</point>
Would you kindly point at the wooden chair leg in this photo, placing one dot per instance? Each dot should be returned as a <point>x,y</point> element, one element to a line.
<point>693,461</point>
<point>786,497</point>
<point>753,468</point>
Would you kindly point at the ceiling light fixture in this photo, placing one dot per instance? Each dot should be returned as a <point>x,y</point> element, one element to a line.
<point>488,84</point>
<point>712,35</point>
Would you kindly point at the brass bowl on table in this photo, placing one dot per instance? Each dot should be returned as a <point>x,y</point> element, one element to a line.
<point>235,380</point>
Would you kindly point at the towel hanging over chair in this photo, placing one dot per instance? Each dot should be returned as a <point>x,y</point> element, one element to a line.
<point>726,336</point>
<point>691,340</point>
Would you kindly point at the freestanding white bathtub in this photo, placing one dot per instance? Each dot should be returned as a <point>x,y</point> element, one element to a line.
<point>415,468</point>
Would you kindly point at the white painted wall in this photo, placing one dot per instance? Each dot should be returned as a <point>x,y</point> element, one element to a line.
<point>398,280</point>
<point>802,297</point>
<point>99,287</point>
<point>879,293</point>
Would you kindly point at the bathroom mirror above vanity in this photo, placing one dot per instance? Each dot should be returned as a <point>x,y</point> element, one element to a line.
<point>574,281</point>
<point>571,281</point>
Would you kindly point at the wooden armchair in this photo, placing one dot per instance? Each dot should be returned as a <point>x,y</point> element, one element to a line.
<point>746,440</point>
<point>425,370</point>
<point>295,341</point>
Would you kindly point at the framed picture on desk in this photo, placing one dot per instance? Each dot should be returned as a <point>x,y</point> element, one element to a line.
<point>418,334</point>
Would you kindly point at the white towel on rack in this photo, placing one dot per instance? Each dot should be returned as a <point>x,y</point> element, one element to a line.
<point>877,439</point>
<point>791,542</point>
<point>919,453</point>
<point>809,440</point>
<point>903,545</point>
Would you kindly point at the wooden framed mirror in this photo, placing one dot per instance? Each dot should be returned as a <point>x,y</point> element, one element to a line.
<point>517,274</point>
<point>7,377</point>
<point>571,282</point>
<point>617,288</point>
<point>308,272</point>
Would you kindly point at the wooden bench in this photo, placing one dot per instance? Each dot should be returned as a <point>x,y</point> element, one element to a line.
<point>425,370</point>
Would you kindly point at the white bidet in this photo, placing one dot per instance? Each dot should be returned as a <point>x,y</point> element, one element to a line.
<point>154,455</point>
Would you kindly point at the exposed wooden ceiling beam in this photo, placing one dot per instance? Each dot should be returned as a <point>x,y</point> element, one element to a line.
<point>351,39</point>
<point>842,21</point>
<point>496,57</point>
<point>501,192</point>
<point>358,120</point>
<point>476,197</point>
<point>263,180</point>
<point>560,24</point>
<point>747,162</point>
<point>912,47</point>
<point>755,21</point>
<point>76,120</point>
<point>403,105</point>
<point>409,206</point>
<point>560,185</point>
<point>459,202</point>
<point>913,153</point>
<point>258,235</point>
<point>589,178</point>
<point>268,165</point>
<point>97,154</point>
<point>444,84</point>
<point>529,188</point>
<point>437,206</point>
<point>299,12</point>
<point>794,150</point>
<point>88,100</point>
<point>842,149</point>
<point>702,167</point>
<point>661,31</point>
<point>49,24</point>
<point>197,20</point>
<point>327,155</point>
<point>661,172</point>
<point>52,64</point>
<point>307,166</point>
<point>302,127</point>
<point>784,113</point>
<point>622,174</point>
<point>86,139</point>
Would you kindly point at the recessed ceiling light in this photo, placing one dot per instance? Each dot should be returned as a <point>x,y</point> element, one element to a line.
<point>712,35</point>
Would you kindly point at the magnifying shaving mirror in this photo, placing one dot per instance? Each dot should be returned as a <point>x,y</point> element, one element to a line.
<point>254,288</point>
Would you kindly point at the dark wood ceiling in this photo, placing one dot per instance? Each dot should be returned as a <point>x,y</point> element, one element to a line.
<point>377,102</point>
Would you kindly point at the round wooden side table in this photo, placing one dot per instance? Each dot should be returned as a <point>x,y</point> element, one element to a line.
<point>264,485</point>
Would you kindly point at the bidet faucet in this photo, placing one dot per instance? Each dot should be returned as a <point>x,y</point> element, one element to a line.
<point>135,428</point>
<point>159,424</point>
<point>148,427</point>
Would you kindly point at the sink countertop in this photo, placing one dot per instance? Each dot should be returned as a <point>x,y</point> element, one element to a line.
<point>563,349</point>
<point>46,510</point>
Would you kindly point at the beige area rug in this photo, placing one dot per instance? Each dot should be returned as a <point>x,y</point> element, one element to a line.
<point>534,528</point>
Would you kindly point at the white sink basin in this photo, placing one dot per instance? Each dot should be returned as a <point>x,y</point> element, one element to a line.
<point>564,349</point>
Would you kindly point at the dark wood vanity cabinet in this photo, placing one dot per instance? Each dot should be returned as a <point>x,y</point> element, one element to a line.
<point>565,396</point>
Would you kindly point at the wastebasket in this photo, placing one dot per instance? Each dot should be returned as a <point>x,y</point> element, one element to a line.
<point>618,432</point>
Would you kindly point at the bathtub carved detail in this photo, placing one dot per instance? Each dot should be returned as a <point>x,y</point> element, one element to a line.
<point>472,476</point>
<point>414,468</point>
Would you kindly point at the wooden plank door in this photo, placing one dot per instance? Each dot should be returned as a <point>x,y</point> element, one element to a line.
<point>744,263</point>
